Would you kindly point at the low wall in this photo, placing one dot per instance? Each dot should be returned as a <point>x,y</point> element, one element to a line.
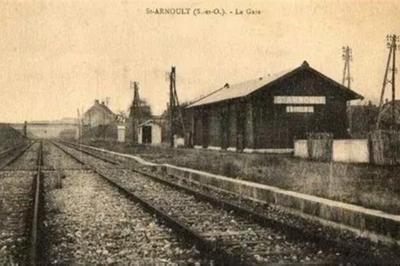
<point>373,224</point>
<point>247,150</point>
<point>46,130</point>
<point>351,150</point>
<point>346,150</point>
<point>300,148</point>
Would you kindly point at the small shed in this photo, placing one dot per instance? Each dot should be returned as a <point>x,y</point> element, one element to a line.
<point>149,132</point>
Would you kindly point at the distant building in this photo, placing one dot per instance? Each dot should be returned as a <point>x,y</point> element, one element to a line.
<point>149,132</point>
<point>267,114</point>
<point>98,115</point>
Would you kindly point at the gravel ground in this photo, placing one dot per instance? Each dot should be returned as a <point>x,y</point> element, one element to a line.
<point>26,161</point>
<point>89,222</point>
<point>54,158</point>
<point>234,233</point>
<point>15,206</point>
<point>374,252</point>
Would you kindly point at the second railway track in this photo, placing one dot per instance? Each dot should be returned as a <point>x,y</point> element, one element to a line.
<point>239,239</point>
<point>20,206</point>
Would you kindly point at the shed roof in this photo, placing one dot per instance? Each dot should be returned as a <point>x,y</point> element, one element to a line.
<point>243,89</point>
<point>149,122</point>
<point>99,106</point>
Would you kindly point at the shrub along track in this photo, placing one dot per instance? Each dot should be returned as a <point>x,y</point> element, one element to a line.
<point>239,235</point>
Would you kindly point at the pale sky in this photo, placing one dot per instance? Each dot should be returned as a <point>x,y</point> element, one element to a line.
<point>56,56</point>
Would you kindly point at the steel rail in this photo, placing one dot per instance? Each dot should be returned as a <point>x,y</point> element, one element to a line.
<point>33,248</point>
<point>16,156</point>
<point>6,151</point>
<point>108,160</point>
<point>221,256</point>
<point>293,231</point>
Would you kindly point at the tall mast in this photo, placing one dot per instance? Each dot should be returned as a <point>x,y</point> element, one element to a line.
<point>392,45</point>
<point>174,108</point>
<point>135,114</point>
<point>172,105</point>
<point>347,57</point>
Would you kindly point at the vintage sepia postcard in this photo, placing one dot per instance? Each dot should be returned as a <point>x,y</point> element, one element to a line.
<point>185,132</point>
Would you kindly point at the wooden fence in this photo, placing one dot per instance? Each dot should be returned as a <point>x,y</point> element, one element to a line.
<point>381,148</point>
<point>319,146</point>
<point>385,147</point>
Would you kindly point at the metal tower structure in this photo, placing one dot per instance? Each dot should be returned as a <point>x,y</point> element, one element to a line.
<point>347,57</point>
<point>346,80</point>
<point>392,44</point>
<point>135,112</point>
<point>175,113</point>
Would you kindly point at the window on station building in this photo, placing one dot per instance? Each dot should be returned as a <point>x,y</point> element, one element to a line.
<point>299,109</point>
<point>299,100</point>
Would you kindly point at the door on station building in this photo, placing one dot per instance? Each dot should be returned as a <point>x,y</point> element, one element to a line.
<point>146,135</point>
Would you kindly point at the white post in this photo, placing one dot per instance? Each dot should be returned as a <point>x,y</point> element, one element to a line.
<point>121,133</point>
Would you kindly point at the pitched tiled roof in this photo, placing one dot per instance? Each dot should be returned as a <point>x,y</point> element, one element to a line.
<point>246,88</point>
<point>237,90</point>
<point>100,106</point>
<point>148,122</point>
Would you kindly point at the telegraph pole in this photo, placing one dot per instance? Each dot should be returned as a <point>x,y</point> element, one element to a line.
<point>174,107</point>
<point>172,84</point>
<point>393,46</point>
<point>135,110</point>
<point>394,40</point>
<point>347,57</point>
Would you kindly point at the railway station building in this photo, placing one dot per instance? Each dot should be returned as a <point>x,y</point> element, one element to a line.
<point>268,113</point>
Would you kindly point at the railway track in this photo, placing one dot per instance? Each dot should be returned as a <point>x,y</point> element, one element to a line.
<point>10,156</point>
<point>61,212</point>
<point>90,222</point>
<point>185,233</point>
<point>225,230</point>
<point>20,208</point>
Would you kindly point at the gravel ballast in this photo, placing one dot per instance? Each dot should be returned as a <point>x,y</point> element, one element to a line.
<point>91,223</point>
<point>232,233</point>
<point>352,248</point>
<point>27,161</point>
<point>15,208</point>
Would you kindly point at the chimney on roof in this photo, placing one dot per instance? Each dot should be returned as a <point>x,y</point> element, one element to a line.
<point>96,101</point>
<point>226,85</point>
<point>260,78</point>
<point>305,64</point>
<point>102,102</point>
